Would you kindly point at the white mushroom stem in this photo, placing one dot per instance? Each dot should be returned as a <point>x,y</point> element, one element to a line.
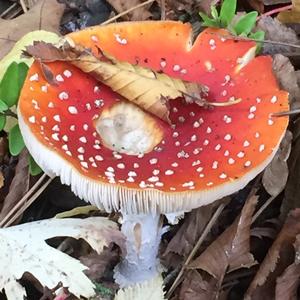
<point>143,234</point>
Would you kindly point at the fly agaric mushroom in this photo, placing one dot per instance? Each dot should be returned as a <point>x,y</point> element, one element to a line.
<point>119,157</point>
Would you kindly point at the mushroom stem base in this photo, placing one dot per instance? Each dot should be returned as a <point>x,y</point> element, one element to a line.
<point>143,234</point>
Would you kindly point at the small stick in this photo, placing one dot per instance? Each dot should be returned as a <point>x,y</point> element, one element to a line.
<point>22,201</point>
<point>286,113</point>
<point>195,249</point>
<point>126,12</point>
<point>24,7</point>
<point>262,208</point>
<point>28,203</point>
<point>275,11</point>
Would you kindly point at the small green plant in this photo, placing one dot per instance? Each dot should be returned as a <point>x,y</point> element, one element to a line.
<point>226,18</point>
<point>10,88</point>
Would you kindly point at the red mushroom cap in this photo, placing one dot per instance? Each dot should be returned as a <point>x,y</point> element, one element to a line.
<point>207,154</point>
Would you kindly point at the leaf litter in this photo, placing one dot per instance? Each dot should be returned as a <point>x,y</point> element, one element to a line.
<point>230,251</point>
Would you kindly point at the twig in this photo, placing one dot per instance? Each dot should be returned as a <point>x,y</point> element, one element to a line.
<point>28,203</point>
<point>263,207</point>
<point>24,7</point>
<point>208,227</point>
<point>286,113</point>
<point>9,113</point>
<point>30,194</point>
<point>276,10</point>
<point>8,10</point>
<point>162,9</point>
<point>126,12</point>
<point>241,38</point>
<point>195,249</point>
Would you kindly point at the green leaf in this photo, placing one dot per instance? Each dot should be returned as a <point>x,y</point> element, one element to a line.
<point>246,23</point>
<point>15,140</point>
<point>258,35</point>
<point>3,106</point>
<point>227,12</point>
<point>23,70</point>
<point>9,87</point>
<point>12,83</point>
<point>2,122</point>
<point>34,168</point>
<point>214,12</point>
<point>208,22</point>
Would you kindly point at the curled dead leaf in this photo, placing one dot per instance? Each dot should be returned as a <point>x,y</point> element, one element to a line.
<point>287,78</point>
<point>44,15</point>
<point>276,174</point>
<point>139,14</point>
<point>276,31</point>
<point>276,260</point>
<point>144,87</point>
<point>186,237</point>
<point>194,287</point>
<point>19,185</point>
<point>231,250</point>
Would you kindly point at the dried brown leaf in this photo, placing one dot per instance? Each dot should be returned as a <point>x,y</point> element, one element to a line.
<point>292,189</point>
<point>98,263</point>
<point>189,232</point>
<point>138,14</point>
<point>231,250</point>
<point>277,258</point>
<point>19,185</point>
<point>276,31</point>
<point>292,15</point>
<point>146,88</point>
<point>276,174</point>
<point>45,15</point>
<point>1,180</point>
<point>287,78</point>
<point>287,284</point>
<point>205,5</point>
<point>261,232</point>
<point>194,287</point>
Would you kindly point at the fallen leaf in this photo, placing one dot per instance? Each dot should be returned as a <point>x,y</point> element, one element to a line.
<point>230,251</point>
<point>19,185</point>
<point>204,5</point>
<point>287,78</point>
<point>292,189</point>
<point>261,232</point>
<point>146,88</point>
<point>138,14</point>
<point>23,249</point>
<point>19,47</point>
<point>287,284</point>
<point>194,287</point>
<point>276,31</point>
<point>257,5</point>
<point>45,15</point>
<point>276,260</point>
<point>186,237</point>
<point>292,15</point>
<point>276,173</point>
<point>98,263</point>
<point>1,180</point>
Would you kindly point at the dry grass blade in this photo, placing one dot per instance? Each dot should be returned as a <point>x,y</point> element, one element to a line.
<point>195,249</point>
<point>28,199</point>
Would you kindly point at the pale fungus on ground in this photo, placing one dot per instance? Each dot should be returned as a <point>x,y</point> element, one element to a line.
<point>119,157</point>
